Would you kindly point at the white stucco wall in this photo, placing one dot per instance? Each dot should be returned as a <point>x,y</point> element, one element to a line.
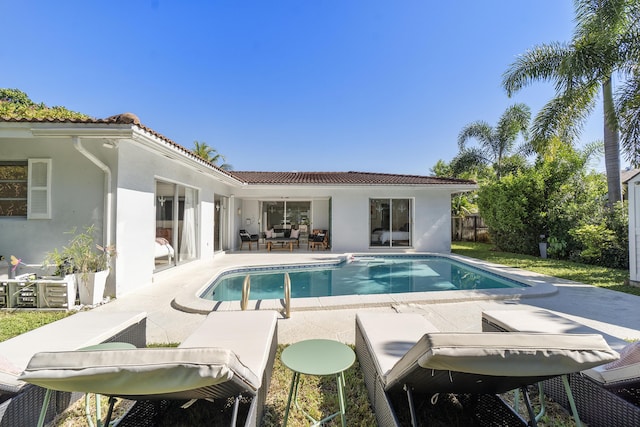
<point>431,218</point>
<point>345,212</point>
<point>76,196</point>
<point>139,170</point>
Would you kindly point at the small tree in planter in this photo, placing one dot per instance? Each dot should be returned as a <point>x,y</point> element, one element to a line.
<point>87,260</point>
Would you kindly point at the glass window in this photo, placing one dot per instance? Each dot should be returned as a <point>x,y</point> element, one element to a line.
<point>390,222</point>
<point>13,188</point>
<point>25,189</point>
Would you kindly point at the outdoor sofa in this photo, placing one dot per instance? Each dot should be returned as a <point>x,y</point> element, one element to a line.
<point>21,402</point>
<point>229,356</point>
<point>405,354</point>
<point>605,395</point>
<point>283,236</point>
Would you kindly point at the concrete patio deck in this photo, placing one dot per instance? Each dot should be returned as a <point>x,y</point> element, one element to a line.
<point>614,313</point>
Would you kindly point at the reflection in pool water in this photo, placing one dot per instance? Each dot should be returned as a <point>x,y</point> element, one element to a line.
<point>360,276</point>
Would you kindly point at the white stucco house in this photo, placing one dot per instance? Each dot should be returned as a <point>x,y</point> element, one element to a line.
<point>138,187</point>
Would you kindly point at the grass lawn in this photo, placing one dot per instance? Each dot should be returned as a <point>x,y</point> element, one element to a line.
<point>603,277</point>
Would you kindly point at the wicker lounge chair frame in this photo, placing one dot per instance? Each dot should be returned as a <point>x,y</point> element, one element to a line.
<point>230,355</point>
<point>598,404</point>
<point>22,402</point>
<point>431,365</point>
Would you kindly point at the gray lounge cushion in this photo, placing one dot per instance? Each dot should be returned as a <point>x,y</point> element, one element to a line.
<point>71,333</point>
<point>515,354</point>
<point>151,372</point>
<point>391,335</point>
<point>623,371</point>
<point>225,355</point>
<point>248,334</point>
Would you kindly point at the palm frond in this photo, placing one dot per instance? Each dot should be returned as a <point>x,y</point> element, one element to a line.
<point>468,160</point>
<point>628,110</point>
<point>540,63</point>
<point>563,116</point>
<point>602,17</point>
<point>513,122</point>
<point>479,130</point>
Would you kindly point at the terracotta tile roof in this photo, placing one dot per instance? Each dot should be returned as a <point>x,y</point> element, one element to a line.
<point>125,118</point>
<point>273,178</point>
<point>342,178</point>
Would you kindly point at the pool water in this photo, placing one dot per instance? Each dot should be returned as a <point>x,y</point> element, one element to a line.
<point>361,276</point>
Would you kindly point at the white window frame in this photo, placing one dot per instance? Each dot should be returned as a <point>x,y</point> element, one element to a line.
<point>31,188</point>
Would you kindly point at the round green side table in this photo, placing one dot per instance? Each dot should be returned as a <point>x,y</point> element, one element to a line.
<point>317,357</point>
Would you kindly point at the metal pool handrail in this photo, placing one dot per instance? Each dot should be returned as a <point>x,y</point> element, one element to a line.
<point>287,295</point>
<point>246,290</point>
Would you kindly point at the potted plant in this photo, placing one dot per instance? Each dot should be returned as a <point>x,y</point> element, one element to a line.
<point>87,261</point>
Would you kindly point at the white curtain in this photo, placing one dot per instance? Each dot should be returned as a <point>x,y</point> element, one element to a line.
<point>188,243</point>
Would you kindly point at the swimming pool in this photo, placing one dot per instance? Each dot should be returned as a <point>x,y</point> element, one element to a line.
<point>359,276</point>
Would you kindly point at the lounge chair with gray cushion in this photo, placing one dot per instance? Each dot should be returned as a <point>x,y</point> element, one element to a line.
<point>405,354</point>
<point>605,395</point>
<point>21,402</point>
<point>229,356</point>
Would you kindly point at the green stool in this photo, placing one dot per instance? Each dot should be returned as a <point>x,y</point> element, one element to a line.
<point>318,357</point>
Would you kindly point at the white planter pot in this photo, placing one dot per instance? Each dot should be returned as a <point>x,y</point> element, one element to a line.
<point>91,286</point>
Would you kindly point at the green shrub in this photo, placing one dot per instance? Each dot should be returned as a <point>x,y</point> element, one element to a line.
<point>601,247</point>
<point>513,210</point>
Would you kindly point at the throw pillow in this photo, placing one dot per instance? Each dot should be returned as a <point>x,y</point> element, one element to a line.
<point>628,356</point>
<point>295,234</point>
<point>269,234</point>
<point>7,367</point>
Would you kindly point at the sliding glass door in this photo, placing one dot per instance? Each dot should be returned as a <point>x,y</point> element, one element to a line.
<point>390,222</point>
<point>285,215</point>
<point>176,224</point>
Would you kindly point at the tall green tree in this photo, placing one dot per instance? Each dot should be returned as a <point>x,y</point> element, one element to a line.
<point>628,94</point>
<point>15,96</point>
<point>211,155</point>
<point>579,69</point>
<point>494,143</point>
<point>16,104</point>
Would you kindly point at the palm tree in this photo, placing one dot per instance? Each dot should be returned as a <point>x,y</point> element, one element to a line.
<point>579,69</point>
<point>494,143</point>
<point>210,154</point>
<point>202,150</point>
<point>628,101</point>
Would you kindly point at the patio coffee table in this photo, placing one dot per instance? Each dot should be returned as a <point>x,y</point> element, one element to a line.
<point>317,357</point>
<point>282,241</point>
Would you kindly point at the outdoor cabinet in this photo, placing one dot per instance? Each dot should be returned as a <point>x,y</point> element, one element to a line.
<point>39,293</point>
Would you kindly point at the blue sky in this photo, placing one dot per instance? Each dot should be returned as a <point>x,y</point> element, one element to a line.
<point>282,85</point>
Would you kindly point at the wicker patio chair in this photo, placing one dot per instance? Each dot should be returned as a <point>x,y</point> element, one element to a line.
<point>246,237</point>
<point>604,396</point>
